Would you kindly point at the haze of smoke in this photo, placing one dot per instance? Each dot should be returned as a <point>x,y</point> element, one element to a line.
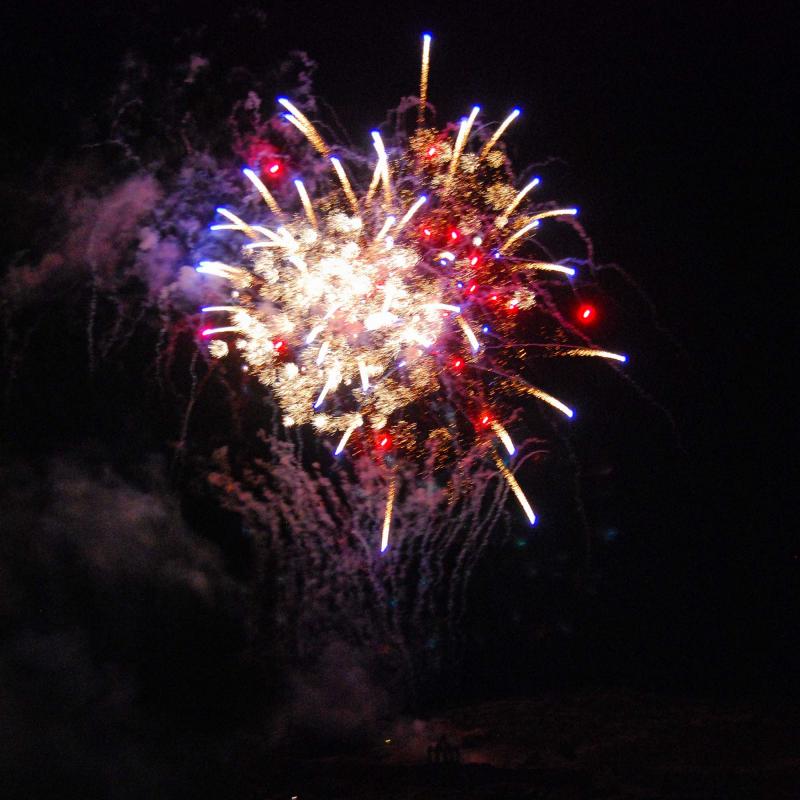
<point>123,638</point>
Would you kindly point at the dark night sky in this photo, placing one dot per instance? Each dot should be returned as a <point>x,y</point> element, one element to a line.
<point>669,123</point>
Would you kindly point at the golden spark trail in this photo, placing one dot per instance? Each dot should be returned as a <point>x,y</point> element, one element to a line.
<point>306,127</point>
<point>224,329</point>
<point>502,220</point>
<point>306,201</point>
<point>469,333</point>
<point>555,212</point>
<point>219,269</point>
<point>347,434</point>
<point>546,398</point>
<point>383,161</point>
<point>547,267</point>
<point>240,223</point>
<point>502,434</point>
<point>461,141</point>
<point>499,132</point>
<point>519,234</point>
<point>423,80</point>
<point>586,351</point>
<point>387,517</point>
<point>263,191</point>
<point>346,187</point>
<point>515,487</point>
<point>410,213</point>
<point>390,220</point>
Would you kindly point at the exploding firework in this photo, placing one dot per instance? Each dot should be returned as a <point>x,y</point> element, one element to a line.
<point>388,318</point>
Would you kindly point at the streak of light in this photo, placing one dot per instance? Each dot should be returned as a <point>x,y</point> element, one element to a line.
<point>469,333</point>
<point>423,79</point>
<point>502,220</point>
<point>499,132</point>
<point>347,434</point>
<point>308,129</point>
<point>346,187</point>
<point>387,517</point>
<point>516,488</point>
<point>410,213</point>
<point>263,191</point>
<point>502,434</point>
<point>306,201</point>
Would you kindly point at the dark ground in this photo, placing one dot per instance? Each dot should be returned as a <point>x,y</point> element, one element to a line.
<point>614,744</point>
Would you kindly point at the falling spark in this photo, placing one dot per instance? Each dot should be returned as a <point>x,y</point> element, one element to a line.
<point>469,333</point>
<point>359,421</point>
<point>219,269</point>
<point>306,201</point>
<point>226,329</point>
<point>346,187</point>
<point>410,213</point>
<point>383,161</point>
<point>516,488</point>
<point>547,267</point>
<point>423,80</point>
<point>240,223</point>
<point>387,517</point>
<point>362,369</point>
<point>555,212</point>
<point>519,234</point>
<point>461,141</point>
<point>586,351</point>
<point>306,127</point>
<point>500,131</point>
<point>547,398</point>
<point>263,191</point>
<point>502,220</point>
<point>502,434</point>
<point>390,220</point>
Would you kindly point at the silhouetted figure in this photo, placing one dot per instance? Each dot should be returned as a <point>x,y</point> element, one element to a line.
<point>443,752</point>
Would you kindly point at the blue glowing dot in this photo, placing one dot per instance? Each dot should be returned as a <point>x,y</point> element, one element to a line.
<point>485,329</point>
<point>460,285</point>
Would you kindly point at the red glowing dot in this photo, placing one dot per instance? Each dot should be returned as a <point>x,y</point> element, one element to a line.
<point>474,260</point>
<point>485,419</point>
<point>472,287</point>
<point>454,234</point>
<point>431,152</point>
<point>458,363</point>
<point>493,297</point>
<point>278,344</point>
<point>426,231</point>
<point>586,313</point>
<point>383,441</point>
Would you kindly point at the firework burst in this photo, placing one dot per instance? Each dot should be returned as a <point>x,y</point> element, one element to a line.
<point>382,317</point>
